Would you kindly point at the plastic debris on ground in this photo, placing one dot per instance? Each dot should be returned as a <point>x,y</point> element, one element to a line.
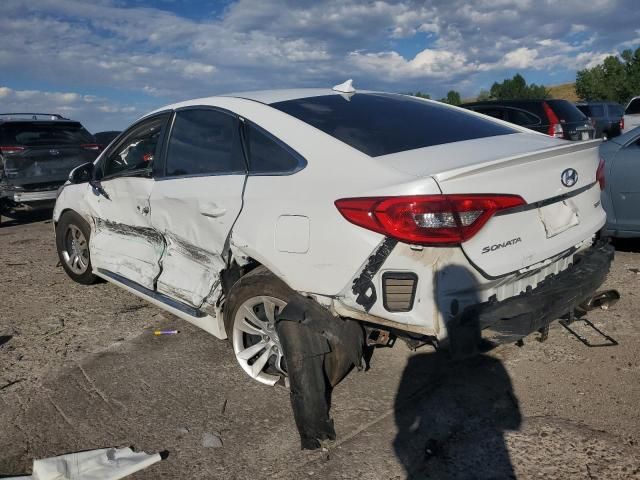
<point>102,464</point>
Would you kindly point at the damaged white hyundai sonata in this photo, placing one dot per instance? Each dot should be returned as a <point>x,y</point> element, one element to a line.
<point>402,216</point>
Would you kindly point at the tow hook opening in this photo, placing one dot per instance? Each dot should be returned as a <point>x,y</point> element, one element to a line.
<point>602,300</point>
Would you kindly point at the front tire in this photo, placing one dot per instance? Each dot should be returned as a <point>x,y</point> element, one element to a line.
<point>72,242</point>
<point>250,313</point>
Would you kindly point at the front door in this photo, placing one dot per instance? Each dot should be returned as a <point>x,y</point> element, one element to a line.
<point>195,204</point>
<point>122,239</point>
<point>624,184</point>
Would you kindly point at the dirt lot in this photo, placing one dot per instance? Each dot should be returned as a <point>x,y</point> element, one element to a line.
<point>79,369</point>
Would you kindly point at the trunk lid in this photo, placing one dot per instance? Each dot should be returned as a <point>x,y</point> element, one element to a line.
<point>557,217</point>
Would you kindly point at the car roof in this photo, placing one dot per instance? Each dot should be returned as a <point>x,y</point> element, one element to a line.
<point>266,97</point>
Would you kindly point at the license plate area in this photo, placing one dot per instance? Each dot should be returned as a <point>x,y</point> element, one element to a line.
<point>558,217</point>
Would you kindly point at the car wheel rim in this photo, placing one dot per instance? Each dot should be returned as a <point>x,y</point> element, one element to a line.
<point>76,250</point>
<point>255,340</point>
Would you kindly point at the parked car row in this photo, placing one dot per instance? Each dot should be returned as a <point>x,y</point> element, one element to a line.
<point>562,119</point>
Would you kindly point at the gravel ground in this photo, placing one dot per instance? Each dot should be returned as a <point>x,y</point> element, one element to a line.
<point>80,369</point>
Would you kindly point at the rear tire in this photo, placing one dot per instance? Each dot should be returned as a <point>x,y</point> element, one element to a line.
<point>249,319</point>
<point>72,242</point>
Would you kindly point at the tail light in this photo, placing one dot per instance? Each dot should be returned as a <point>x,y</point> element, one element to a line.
<point>555,127</point>
<point>426,219</point>
<point>622,123</point>
<point>600,175</point>
<point>11,149</point>
<point>91,146</point>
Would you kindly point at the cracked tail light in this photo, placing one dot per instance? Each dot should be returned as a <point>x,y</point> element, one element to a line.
<point>426,219</point>
<point>600,175</point>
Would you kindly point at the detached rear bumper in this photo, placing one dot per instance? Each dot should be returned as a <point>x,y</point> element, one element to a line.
<point>517,317</point>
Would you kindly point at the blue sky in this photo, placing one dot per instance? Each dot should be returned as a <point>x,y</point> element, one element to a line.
<point>107,62</point>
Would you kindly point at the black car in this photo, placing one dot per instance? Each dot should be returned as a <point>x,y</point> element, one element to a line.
<point>37,152</point>
<point>558,118</point>
<point>606,117</point>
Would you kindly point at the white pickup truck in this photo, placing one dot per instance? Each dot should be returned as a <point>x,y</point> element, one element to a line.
<point>632,114</point>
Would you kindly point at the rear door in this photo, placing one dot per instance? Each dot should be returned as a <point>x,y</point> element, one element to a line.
<point>123,243</point>
<point>624,184</point>
<point>197,199</point>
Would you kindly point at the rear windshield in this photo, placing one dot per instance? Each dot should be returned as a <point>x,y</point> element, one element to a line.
<point>566,112</point>
<point>44,133</point>
<point>616,110</point>
<point>380,124</point>
<point>634,107</point>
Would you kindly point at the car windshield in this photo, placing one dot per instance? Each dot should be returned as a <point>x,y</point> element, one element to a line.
<point>634,107</point>
<point>381,124</point>
<point>32,134</point>
<point>566,112</point>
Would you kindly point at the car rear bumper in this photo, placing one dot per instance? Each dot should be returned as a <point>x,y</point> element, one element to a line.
<point>38,196</point>
<point>516,317</point>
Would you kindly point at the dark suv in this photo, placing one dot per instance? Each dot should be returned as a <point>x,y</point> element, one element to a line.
<point>606,117</point>
<point>37,152</point>
<point>558,118</point>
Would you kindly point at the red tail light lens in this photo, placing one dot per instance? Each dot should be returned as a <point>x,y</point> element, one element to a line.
<point>426,219</point>
<point>11,149</point>
<point>622,123</point>
<point>600,176</point>
<point>91,146</point>
<point>555,128</point>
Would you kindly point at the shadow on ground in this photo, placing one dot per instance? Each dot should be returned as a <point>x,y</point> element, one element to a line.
<point>627,244</point>
<point>24,218</point>
<point>451,418</point>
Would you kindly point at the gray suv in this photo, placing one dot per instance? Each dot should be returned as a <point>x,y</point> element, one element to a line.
<point>606,117</point>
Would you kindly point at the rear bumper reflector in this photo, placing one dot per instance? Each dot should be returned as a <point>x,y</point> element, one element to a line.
<point>399,291</point>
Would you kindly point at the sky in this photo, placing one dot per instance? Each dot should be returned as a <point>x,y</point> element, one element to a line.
<point>108,62</point>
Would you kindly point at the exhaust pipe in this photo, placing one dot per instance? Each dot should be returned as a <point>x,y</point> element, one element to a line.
<point>602,300</point>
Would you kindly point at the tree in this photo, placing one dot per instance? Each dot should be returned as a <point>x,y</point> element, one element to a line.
<point>452,98</point>
<point>616,78</point>
<point>517,88</point>
<point>421,95</point>
<point>484,95</point>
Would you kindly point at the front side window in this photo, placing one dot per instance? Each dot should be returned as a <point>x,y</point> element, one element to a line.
<point>204,142</point>
<point>269,156</point>
<point>136,152</point>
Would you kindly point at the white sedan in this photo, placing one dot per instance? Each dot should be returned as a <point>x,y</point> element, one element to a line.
<point>407,217</point>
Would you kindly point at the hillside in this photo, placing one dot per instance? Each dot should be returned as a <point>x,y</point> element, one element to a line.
<point>566,91</point>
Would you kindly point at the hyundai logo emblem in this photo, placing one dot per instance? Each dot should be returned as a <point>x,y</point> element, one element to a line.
<point>54,152</point>
<point>569,177</point>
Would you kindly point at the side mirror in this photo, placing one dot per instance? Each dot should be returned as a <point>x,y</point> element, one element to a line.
<point>82,173</point>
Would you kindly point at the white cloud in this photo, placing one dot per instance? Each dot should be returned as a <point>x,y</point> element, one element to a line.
<point>158,56</point>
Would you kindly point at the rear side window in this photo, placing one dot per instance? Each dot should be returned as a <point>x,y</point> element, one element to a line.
<point>633,108</point>
<point>565,111</point>
<point>204,142</point>
<point>491,111</point>
<point>267,155</point>
<point>381,124</point>
<point>32,134</point>
<point>585,109</point>
<point>616,111</point>
<point>520,117</point>
<point>597,111</point>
